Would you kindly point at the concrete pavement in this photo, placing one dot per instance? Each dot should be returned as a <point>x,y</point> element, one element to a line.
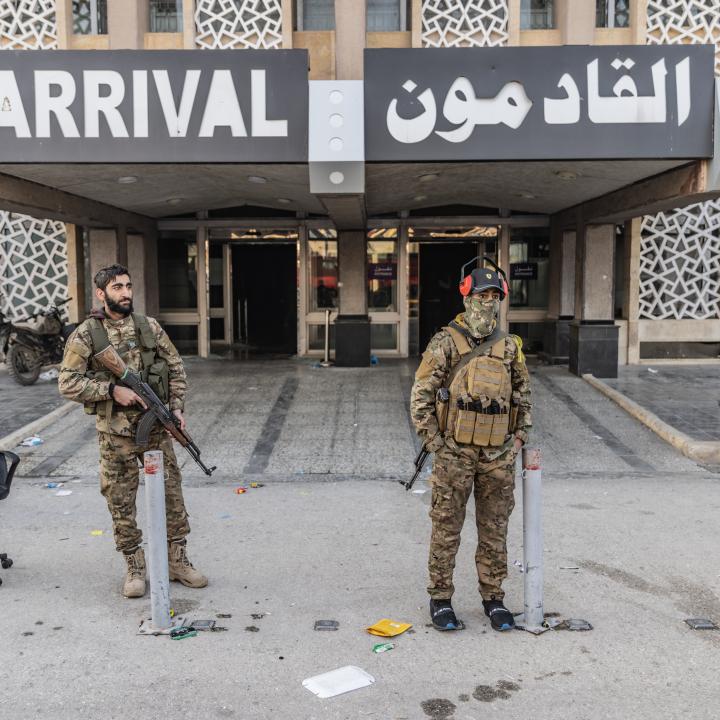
<point>331,535</point>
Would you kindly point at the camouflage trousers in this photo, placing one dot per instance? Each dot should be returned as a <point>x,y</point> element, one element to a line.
<point>456,474</point>
<point>119,477</point>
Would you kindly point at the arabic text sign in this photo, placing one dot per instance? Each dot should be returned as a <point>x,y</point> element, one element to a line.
<point>144,106</point>
<point>537,103</point>
<point>523,271</point>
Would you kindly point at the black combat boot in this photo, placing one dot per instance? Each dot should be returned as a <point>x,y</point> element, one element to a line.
<point>443,616</point>
<point>500,617</point>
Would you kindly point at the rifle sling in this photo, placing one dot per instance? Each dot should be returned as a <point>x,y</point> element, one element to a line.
<point>495,336</point>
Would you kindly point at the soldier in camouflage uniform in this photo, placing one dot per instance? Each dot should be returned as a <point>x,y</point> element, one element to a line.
<point>146,349</point>
<point>471,406</point>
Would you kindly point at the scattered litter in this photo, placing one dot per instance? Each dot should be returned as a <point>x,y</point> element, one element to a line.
<point>61,539</point>
<point>63,493</point>
<point>240,490</point>
<point>701,624</point>
<point>382,647</point>
<point>223,616</point>
<point>316,366</point>
<point>519,565</point>
<point>355,424</point>
<point>252,628</point>
<point>575,625</point>
<point>419,491</point>
<point>172,612</point>
<point>54,485</point>
<point>569,567</point>
<point>388,628</point>
<point>336,682</point>
<point>258,616</point>
<point>374,360</point>
<point>32,441</point>
<point>256,485</point>
<point>326,625</point>
<point>51,374</point>
<point>182,632</point>
<point>96,532</point>
<point>76,481</point>
<point>202,625</point>
<point>653,371</point>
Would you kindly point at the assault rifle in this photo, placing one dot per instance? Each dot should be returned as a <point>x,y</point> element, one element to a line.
<point>419,462</point>
<point>156,411</point>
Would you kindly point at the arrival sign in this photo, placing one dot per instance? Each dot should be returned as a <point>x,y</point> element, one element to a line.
<point>144,106</point>
<point>539,103</point>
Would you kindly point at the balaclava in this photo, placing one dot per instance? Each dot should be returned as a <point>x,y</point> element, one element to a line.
<point>481,315</point>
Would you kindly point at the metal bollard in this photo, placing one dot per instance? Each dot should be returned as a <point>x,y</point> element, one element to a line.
<point>533,619</point>
<point>157,540</point>
<point>326,361</point>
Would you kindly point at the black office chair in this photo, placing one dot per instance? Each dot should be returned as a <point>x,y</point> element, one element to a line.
<point>6,475</point>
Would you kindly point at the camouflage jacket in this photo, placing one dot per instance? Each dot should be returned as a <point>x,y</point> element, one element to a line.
<point>76,380</point>
<point>439,358</point>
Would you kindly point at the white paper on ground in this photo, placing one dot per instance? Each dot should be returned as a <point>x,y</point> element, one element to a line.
<point>337,682</point>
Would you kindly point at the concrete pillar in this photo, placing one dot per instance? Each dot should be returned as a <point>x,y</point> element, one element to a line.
<point>593,334</point>
<point>633,236</point>
<point>121,243</point>
<point>352,326</point>
<point>64,20</point>
<point>513,23</point>
<point>416,23</point>
<point>76,273</point>
<point>287,24</point>
<point>103,249</point>
<point>203,292</point>
<point>350,25</point>
<point>504,262</point>
<point>576,21</point>
<point>189,24</point>
<point>136,266</point>
<point>127,24</point>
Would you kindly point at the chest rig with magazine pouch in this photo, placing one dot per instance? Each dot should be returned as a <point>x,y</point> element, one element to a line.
<point>154,369</point>
<point>475,403</point>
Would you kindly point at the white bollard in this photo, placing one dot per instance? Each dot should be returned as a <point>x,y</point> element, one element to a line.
<point>157,540</point>
<point>533,618</point>
<point>326,360</point>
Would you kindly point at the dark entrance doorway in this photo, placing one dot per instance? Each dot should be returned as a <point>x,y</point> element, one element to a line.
<point>440,300</point>
<point>265,297</point>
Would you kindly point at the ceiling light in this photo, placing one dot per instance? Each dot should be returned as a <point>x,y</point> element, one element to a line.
<point>284,201</point>
<point>174,201</point>
<point>428,177</point>
<point>257,179</point>
<point>127,179</point>
<point>566,174</point>
<point>526,195</point>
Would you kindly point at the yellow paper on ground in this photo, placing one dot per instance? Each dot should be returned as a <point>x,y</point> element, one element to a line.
<point>388,628</point>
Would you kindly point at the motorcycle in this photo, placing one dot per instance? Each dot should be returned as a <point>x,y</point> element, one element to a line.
<point>36,341</point>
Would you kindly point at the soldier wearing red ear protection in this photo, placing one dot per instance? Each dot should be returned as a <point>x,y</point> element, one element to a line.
<point>471,406</point>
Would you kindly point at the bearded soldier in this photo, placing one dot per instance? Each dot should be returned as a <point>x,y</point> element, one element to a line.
<point>471,406</point>
<point>147,350</point>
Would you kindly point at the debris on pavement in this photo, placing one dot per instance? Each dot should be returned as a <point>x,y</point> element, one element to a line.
<point>240,490</point>
<point>51,374</point>
<point>203,625</point>
<point>575,625</point>
<point>569,567</point>
<point>96,532</point>
<point>256,485</point>
<point>182,632</point>
<point>388,628</point>
<point>653,371</point>
<point>52,485</point>
<point>383,647</point>
<point>701,624</point>
<point>519,565</point>
<point>32,441</point>
<point>337,682</point>
<point>252,628</point>
<point>326,625</point>
<point>223,616</point>
<point>63,493</point>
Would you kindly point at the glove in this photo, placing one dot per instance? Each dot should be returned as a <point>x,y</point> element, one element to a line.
<point>435,443</point>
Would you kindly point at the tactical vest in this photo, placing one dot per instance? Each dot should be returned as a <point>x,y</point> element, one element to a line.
<point>154,369</point>
<point>477,410</point>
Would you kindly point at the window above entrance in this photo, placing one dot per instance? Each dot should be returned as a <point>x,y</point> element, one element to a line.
<point>166,16</point>
<point>90,17</point>
<point>537,15</point>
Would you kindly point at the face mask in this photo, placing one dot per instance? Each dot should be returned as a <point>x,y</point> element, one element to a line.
<point>481,315</point>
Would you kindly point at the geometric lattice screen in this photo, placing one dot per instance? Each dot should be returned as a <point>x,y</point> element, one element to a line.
<point>238,24</point>
<point>28,25</point>
<point>680,264</point>
<point>680,250</point>
<point>684,22</point>
<point>464,23</point>
<point>33,264</point>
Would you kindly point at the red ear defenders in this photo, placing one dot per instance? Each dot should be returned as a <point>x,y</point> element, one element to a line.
<point>466,281</point>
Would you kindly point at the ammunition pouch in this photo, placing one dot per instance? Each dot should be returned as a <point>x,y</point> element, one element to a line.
<point>157,376</point>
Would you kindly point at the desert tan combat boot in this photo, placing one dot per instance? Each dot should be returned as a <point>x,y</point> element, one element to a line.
<point>134,586</point>
<point>182,569</point>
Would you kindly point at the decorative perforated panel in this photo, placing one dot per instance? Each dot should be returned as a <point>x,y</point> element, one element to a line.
<point>684,21</point>
<point>33,264</point>
<point>680,263</point>
<point>28,25</point>
<point>464,23</point>
<point>680,250</point>
<point>238,24</point>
